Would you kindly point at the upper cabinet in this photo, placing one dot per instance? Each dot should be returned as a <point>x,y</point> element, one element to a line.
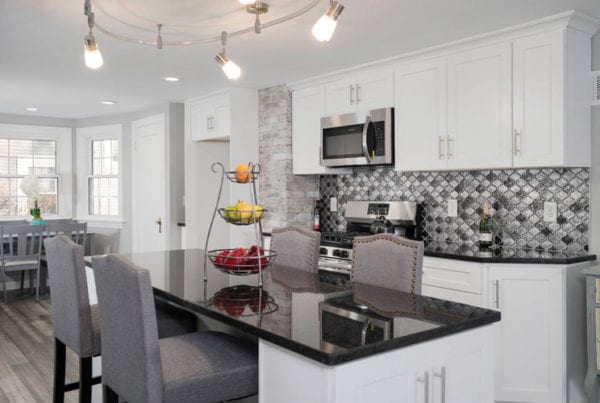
<point>479,108</point>
<point>551,109</point>
<point>210,118</point>
<point>371,89</point>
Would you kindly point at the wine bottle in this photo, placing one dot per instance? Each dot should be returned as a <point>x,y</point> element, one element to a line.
<point>485,232</point>
<point>317,217</point>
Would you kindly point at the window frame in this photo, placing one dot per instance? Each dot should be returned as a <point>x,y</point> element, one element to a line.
<point>64,163</point>
<point>84,138</point>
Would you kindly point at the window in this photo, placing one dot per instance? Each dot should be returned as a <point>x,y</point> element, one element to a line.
<point>40,151</point>
<point>103,183</point>
<point>99,175</point>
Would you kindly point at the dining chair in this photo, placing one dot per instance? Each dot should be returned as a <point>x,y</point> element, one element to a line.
<point>388,261</point>
<point>138,367</point>
<point>296,247</point>
<point>77,231</point>
<point>74,321</point>
<point>20,250</point>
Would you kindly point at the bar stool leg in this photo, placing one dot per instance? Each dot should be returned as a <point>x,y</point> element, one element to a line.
<point>85,380</point>
<point>60,357</point>
<point>109,395</point>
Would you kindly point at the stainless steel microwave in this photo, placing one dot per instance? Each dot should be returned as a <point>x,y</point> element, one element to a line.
<point>357,139</point>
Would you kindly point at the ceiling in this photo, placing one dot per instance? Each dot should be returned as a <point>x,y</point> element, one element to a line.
<point>41,51</point>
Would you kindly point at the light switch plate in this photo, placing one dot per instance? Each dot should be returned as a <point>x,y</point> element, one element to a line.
<point>333,206</point>
<point>452,208</point>
<point>550,211</point>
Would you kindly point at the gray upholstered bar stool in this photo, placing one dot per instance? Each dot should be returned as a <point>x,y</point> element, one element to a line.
<point>139,368</point>
<point>388,261</point>
<point>74,321</point>
<point>296,247</point>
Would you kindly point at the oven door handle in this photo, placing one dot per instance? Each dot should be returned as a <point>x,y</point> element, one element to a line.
<point>365,132</point>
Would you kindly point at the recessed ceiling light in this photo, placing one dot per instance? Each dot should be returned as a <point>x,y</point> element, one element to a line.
<point>31,109</point>
<point>108,102</point>
<point>171,79</point>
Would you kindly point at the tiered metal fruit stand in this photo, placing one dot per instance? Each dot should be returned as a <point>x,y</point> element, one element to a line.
<point>226,260</point>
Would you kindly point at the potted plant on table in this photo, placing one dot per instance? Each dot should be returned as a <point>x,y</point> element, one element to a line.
<point>30,185</point>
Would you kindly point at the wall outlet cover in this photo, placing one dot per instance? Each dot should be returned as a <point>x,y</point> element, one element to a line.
<point>452,208</point>
<point>550,211</point>
<point>333,204</point>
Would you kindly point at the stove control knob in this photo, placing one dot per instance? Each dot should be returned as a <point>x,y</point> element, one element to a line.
<point>344,254</point>
<point>323,251</point>
<point>337,253</point>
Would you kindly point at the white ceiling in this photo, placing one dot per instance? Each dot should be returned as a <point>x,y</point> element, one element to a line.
<point>41,48</point>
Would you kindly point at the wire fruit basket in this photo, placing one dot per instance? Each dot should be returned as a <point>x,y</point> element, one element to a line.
<point>239,262</point>
<point>241,217</point>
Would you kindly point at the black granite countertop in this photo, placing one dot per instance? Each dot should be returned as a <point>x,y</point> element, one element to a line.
<point>469,252</point>
<point>295,311</point>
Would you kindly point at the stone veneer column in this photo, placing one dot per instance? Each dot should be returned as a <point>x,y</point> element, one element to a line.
<point>289,198</point>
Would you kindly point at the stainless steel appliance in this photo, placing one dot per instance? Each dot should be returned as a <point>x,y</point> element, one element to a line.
<point>403,218</point>
<point>356,139</point>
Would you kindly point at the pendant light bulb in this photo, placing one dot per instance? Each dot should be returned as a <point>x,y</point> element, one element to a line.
<point>231,70</point>
<point>324,28</point>
<point>92,55</point>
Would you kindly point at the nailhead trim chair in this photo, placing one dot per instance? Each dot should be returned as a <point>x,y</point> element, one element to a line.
<point>296,247</point>
<point>139,368</point>
<point>388,261</point>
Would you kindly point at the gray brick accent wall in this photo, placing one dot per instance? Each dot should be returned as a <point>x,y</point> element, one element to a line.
<point>289,198</point>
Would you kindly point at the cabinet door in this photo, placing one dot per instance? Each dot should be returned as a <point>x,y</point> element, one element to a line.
<point>340,96</point>
<point>530,343</point>
<point>421,112</point>
<point>221,124</point>
<point>538,94</point>
<point>375,89</point>
<point>308,107</point>
<point>479,108</point>
<point>199,114</point>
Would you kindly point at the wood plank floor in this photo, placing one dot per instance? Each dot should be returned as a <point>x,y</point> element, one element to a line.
<point>27,352</point>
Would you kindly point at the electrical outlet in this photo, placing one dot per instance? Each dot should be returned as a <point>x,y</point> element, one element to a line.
<point>333,206</point>
<point>452,208</point>
<point>550,211</point>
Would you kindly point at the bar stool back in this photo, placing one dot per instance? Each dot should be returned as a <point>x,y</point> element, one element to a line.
<point>296,247</point>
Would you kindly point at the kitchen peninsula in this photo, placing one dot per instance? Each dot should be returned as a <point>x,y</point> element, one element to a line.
<point>321,343</point>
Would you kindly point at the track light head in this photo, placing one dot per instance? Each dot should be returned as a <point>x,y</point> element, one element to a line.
<point>92,55</point>
<point>324,28</point>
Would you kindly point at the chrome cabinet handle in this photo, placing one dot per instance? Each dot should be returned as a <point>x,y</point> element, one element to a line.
<point>358,93</point>
<point>442,376</point>
<point>450,147</point>
<point>351,94</point>
<point>497,293</point>
<point>212,122</point>
<point>159,223</point>
<point>517,142</point>
<point>425,381</point>
<point>208,123</point>
<point>441,154</point>
<point>364,138</point>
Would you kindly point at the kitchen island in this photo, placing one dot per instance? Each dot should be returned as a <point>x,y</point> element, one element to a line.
<point>320,343</point>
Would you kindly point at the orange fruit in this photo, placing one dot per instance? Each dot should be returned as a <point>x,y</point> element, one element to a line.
<point>241,173</point>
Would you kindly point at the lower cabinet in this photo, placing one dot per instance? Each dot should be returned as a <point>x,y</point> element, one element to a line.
<point>539,350</point>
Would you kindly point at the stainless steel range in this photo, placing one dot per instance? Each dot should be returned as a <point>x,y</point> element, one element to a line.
<point>365,218</point>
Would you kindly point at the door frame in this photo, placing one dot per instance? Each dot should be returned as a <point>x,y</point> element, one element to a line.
<point>135,126</point>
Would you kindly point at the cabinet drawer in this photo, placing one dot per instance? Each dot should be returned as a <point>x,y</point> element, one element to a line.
<point>455,296</point>
<point>453,275</point>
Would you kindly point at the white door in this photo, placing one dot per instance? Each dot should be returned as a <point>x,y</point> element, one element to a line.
<point>479,108</point>
<point>375,89</point>
<point>149,212</point>
<point>538,94</point>
<point>530,343</point>
<point>421,115</point>
<point>340,97</point>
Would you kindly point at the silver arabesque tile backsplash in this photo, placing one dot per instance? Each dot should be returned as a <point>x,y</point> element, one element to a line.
<point>516,198</point>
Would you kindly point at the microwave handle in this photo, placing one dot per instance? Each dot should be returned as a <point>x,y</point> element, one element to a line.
<point>364,138</point>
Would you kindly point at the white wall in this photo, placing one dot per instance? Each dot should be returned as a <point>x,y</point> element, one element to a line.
<point>595,171</point>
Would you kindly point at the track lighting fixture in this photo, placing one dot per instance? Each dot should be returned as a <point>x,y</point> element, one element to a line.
<point>324,28</point>
<point>91,55</point>
<point>231,70</point>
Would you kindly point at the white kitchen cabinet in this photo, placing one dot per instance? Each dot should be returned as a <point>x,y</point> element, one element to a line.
<point>421,115</point>
<point>530,344</point>
<point>550,111</point>
<point>209,118</point>
<point>479,108</point>
<point>362,92</point>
